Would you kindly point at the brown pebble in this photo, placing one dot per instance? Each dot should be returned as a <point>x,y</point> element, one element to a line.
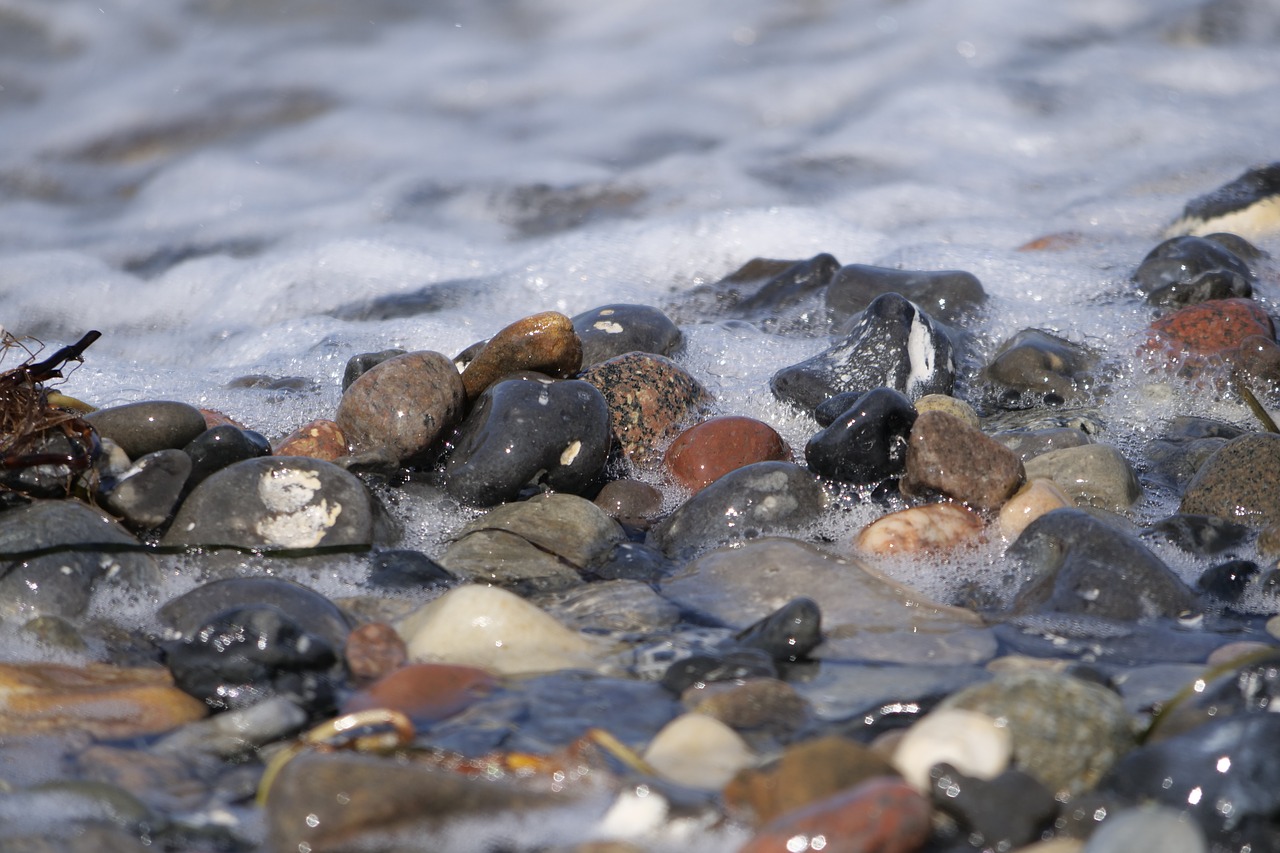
<point>319,439</point>
<point>707,451</point>
<point>373,650</point>
<point>632,502</point>
<point>543,342</point>
<point>881,815</point>
<point>426,692</point>
<point>947,456</point>
<point>1240,482</point>
<point>650,397</point>
<point>751,704</point>
<point>396,409</point>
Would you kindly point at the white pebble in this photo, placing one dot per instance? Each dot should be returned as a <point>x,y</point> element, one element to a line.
<point>1154,829</point>
<point>698,751</point>
<point>969,741</point>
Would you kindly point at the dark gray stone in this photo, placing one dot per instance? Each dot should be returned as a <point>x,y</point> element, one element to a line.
<point>360,363</point>
<point>142,428</point>
<point>1186,270</point>
<point>147,494</point>
<point>220,446</point>
<point>949,295</point>
<point>1240,481</point>
<point>1043,364</point>
<point>612,330</point>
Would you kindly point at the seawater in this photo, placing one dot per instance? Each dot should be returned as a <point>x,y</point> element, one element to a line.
<point>214,184</point>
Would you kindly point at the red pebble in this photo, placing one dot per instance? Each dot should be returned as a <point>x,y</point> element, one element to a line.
<point>882,815</point>
<point>706,452</point>
<point>1210,328</point>
<point>318,439</point>
<point>426,692</point>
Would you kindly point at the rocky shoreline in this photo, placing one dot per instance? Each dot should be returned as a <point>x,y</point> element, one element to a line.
<point>587,665</point>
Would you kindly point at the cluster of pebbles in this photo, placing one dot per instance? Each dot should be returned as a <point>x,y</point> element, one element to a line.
<point>584,666</point>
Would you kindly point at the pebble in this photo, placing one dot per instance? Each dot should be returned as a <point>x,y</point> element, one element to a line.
<point>1207,329</point>
<point>753,703</point>
<point>396,410</point>
<point>746,503</point>
<point>707,451</point>
<point>622,606</point>
<point>786,635</point>
<point>546,343</point>
<point>1065,732</point>
<point>285,502</point>
<point>405,569</point>
<point>146,494</point>
<point>1187,270</point>
<point>1150,829</point>
<point>1076,564</point>
<point>1092,475</point>
<point>946,456</point>
<point>1183,447</point>
<point>320,439</point>
<point>865,443</point>
<point>1244,206</point>
<point>1044,364</point>
<point>494,630</point>
<point>1245,684</point>
<point>650,399</point>
<point>731,665</point>
<point>951,405</point>
<point>424,692</point>
<point>1036,497</point>
<point>971,742</point>
<point>142,428</point>
<point>631,502</point>
<point>767,292</point>
<point>878,816</point>
<point>1029,444</point>
<point>1239,482</point>
<point>617,329</point>
<point>921,529</point>
<point>235,734</point>
<point>220,446</point>
<point>524,435</point>
<point>1004,812</point>
<point>950,295</point>
<point>108,702</point>
<point>543,543</point>
<point>361,362</point>
<point>893,345</point>
<point>698,751</point>
<point>373,650</point>
<point>805,773</point>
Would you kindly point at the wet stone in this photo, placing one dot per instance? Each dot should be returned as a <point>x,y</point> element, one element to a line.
<point>1031,443</point>
<point>1228,581</point>
<point>946,456</point>
<point>894,345</point>
<point>1241,205</point>
<point>373,650</point>
<point>1245,684</point>
<point>880,815</point>
<point>744,504</point>
<point>777,295</point>
<point>963,739</point>
<point>142,428</point>
<point>148,492</point>
<point>360,364</point>
<point>787,634</point>
<point>1004,813</point>
<point>730,665</point>
<point>698,751</point>
<point>397,409</point>
<point>707,451</point>
<point>752,704</point>
<point>650,398</point>
<point>932,527</point>
<point>1174,457</point>
<point>425,692</point>
<point>220,446</point>
<point>1186,270</point>
<point>867,442</point>
<point>546,343</point>
<point>1239,482</point>
<point>525,435</point>
<point>1209,328</point>
<point>1076,564</point>
<point>951,406</point>
<point>1092,475</point>
<point>613,330</point>
<point>1034,499</point>
<point>621,606</point>
<point>402,569</point>
<point>319,439</point>
<point>631,502</point>
<point>1147,827</point>
<point>56,480</point>
<point>632,561</point>
<point>949,295</point>
<point>1044,364</point>
<point>284,502</point>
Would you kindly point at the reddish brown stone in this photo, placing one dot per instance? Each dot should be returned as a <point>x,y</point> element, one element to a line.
<point>319,439</point>
<point>1214,327</point>
<point>649,397</point>
<point>543,342</point>
<point>707,451</point>
<point>881,815</point>
<point>425,692</point>
<point>213,418</point>
<point>632,502</point>
<point>1053,242</point>
<point>396,409</point>
<point>374,650</point>
<point>948,457</point>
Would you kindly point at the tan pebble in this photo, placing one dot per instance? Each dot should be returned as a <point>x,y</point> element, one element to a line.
<point>543,342</point>
<point>319,439</point>
<point>1273,626</point>
<point>1054,845</point>
<point>932,527</point>
<point>1021,663</point>
<point>949,405</point>
<point>1030,502</point>
<point>698,751</point>
<point>1237,652</point>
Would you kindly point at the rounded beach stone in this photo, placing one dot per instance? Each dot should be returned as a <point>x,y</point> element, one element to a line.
<point>707,451</point>
<point>373,650</point>
<point>1041,362</point>
<point>397,409</point>
<point>1065,732</point>
<point>1246,206</point>
<point>805,773</point>
<point>1209,328</point>
<point>360,363</point>
<point>632,502</point>
<point>1092,475</point>
<point>613,330</point>
<point>1036,497</point>
<point>529,434</point>
<point>495,630</point>
<point>276,502</point>
<point>932,527</point>
<point>147,493</point>
<point>743,504</point>
<point>788,634</point>
<point>543,342</point>
<point>220,446</point>
<point>1187,270</point>
<point>1005,812</point>
<point>1149,829</point>
<point>698,751</point>
<point>970,741</point>
<point>319,439</point>
<point>893,345</point>
<point>753,703</point>
<point>884,815</point>
<point>142,428</point>
<point>949,295</point>
<point>1240,481</point>
<point>425,692</point>
<point>946,456</point>
<point>1029,444</point>
<point>650,397</point>
<point>951,405</point>
<point>865,443</point>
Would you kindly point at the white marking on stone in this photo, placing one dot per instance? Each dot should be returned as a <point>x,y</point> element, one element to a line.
<point>570,453</point>
<point>293,520</point>
<point>920,353</point>
<point>608,326</point>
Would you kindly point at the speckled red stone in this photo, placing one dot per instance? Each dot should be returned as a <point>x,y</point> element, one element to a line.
<point>319,439</point>
<point>1215,327</point>
<point>883,815</point>
<point>426,692</point>
<point>707,451</point>
<point>374,650</point>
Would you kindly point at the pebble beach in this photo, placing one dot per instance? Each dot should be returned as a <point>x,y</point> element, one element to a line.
<point>536,427</point>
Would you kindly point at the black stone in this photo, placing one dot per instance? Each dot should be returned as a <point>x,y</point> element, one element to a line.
<point>833,407</point>
<point>1186,270</point>
<point>949,295</point>
<point>1228,581</point>
<point>149,491</point>
<point>220,446</point>
<point>867,442</point>
<point>734,665</point>
<point>613,330</point>
<point>774,295</point>
<point>1076,564</point>
<point>525,435</point>
<point>1201,535</point>
<point>1042,363</point>
<point>1003,813</point>
<point>142,428</point>
<point>632,561</point>
<point>785,288</point>
<point>408,570</point>
<point>361,363</point>
<point>788,634</point>
<point>894,344</point>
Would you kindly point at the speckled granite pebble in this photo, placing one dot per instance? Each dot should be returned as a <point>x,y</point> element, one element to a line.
<point>1240,481</point>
